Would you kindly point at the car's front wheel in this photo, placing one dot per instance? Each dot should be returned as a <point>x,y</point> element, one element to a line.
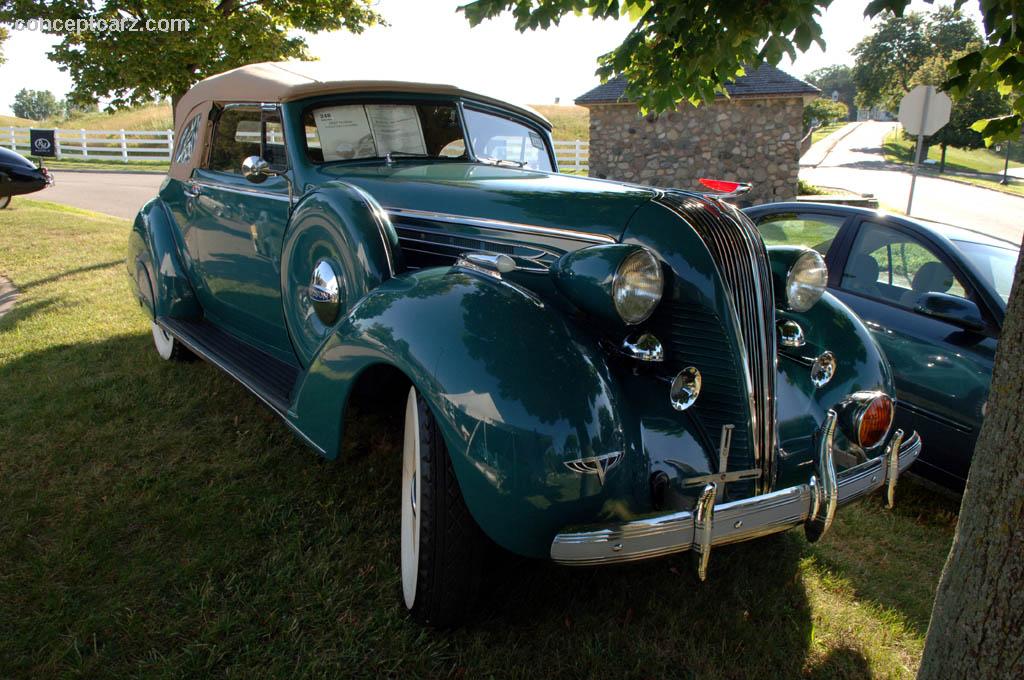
<point>169,347</point>
<point>442,547</point>
<point>4,201</point>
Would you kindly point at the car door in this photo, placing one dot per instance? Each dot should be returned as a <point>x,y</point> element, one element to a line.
<point>240,229</point>
<point>942,371</point>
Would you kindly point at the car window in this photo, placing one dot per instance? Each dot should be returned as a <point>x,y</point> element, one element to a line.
<point>813,230</point>
<point>347,132</point>
<point>187,142</point>
<point>503,139</point>
<point>889,265</point>
<point>996,265</point>
<point>235,138</point>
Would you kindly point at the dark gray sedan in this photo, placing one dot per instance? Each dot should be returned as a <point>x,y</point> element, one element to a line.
<point>932,295</point>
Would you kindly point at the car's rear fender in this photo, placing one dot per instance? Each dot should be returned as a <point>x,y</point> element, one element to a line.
<point>517,392</point>
<point>154,267</point>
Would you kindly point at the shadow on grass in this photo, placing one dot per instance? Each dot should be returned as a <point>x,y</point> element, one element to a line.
<point>71,272</point>
<point>160,521</point>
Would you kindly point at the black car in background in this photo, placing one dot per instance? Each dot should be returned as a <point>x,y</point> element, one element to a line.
<point>932,295</point>
<point>18,175</point>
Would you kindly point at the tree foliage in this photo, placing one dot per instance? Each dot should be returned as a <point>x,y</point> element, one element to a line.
<point>885,60</point>
<point>136,66</point>
<point>679,49</point>
<point>836,78</point>
<point>36,104</point>
<point>825,111</point>
<point>888,58</point>
<point>974,106</point>
<point>3,38</point>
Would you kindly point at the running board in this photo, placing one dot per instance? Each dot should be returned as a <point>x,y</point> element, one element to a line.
<point>268,378</point>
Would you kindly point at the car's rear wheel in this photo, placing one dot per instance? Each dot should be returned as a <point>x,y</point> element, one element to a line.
<point>4,201</point>
<point>442,547</point>
<point>169,347</point>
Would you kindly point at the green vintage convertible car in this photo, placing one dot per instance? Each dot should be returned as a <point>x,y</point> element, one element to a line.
<point>590,372</point>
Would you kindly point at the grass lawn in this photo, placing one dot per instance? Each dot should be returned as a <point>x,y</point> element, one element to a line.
<point>958,160</point>
<point>159,522</point>
<point>901,150</point>
<point>97,164</point>
<point>825,130</point>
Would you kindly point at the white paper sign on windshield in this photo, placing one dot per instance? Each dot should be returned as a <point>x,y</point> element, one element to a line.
<point>344,133</point>
<point>396,128</point>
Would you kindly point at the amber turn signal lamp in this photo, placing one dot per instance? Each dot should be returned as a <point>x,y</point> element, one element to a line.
<point>875,421</point>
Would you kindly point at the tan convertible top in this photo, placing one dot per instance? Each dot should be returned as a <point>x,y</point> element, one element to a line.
<point>275,82</point>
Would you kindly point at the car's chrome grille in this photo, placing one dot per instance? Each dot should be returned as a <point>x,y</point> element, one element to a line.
<point>694,336</point>
<point>742,262</point>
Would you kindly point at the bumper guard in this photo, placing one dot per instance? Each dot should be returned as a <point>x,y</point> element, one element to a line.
<point>709,524</point>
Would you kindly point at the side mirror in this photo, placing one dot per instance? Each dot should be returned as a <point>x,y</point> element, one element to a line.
<point>950,308</point>
<point>256,169</point>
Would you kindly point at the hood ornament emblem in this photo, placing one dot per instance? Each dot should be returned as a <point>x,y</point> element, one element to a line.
<point>595,465</point>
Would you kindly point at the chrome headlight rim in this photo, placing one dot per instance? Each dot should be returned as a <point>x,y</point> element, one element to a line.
<point>806,281</point>
<point>652,267</point>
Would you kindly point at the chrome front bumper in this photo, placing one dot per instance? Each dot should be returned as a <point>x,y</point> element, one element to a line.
<point>709,525</point>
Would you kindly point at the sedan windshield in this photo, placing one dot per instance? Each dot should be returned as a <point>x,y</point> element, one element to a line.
<point>346,132</point>
<point>503,141</point>
<point>996,265</point>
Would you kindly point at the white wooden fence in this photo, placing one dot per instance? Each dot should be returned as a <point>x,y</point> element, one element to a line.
<point>116,145</point>
<point>127,146</point>
<point>572,155</point>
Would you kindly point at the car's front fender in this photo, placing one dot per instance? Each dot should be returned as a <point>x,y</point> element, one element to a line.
<point>517,392</point>
<point>154,267</point>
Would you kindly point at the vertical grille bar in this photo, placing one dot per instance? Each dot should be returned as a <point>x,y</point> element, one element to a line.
<point>742,262</point>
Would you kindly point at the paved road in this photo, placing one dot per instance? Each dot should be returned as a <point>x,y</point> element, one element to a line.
<point>856,163</point>
<point>116,193</point>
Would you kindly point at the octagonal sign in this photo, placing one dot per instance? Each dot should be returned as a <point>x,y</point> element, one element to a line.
<point>924,110</point>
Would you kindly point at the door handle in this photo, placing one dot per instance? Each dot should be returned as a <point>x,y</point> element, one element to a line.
<point>192,190</point>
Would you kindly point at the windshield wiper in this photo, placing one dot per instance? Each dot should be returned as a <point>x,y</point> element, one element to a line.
<point>501,161</point>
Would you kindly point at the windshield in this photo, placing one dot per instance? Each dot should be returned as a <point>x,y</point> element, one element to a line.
<point>995,265</point>
<point>502,140</point>
<point>347,132</point>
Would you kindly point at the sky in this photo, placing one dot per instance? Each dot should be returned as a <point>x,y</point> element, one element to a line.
<point>428,40</point>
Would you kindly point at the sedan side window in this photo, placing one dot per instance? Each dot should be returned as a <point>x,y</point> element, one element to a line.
<point>892,266</point>
<point>800,229</point>
<point>236,137</point>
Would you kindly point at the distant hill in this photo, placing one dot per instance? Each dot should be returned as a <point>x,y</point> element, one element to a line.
<point>7,121</point>
<point>154,117</point>
<point>568,122</point>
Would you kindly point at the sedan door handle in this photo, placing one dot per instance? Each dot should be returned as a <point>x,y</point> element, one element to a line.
<point>192,190</point>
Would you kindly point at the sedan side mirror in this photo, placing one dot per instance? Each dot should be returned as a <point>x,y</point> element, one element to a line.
<point>256,169</point>
<point>950,308</point>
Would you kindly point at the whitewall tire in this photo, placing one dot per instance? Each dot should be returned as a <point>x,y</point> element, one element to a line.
<point>442,547</point>
<point>4,201</point>
<point>167,346</point>
<point>410,499</point>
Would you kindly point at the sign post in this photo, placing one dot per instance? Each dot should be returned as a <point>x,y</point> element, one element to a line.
<point>43,144</point>
<point>922,112</point>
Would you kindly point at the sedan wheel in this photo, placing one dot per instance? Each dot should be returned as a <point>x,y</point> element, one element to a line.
<point>4,201</point>
<point>442,547</point>
<point>168,347</point>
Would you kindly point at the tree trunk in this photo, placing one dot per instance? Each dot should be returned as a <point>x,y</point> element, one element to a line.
<point>977,626</point>
<point>175,98</point>
<point>942,162</point>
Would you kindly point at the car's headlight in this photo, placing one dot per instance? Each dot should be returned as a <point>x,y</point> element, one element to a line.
<point>636,289</point>
<point>616,283</point>
<point>806,281</point>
